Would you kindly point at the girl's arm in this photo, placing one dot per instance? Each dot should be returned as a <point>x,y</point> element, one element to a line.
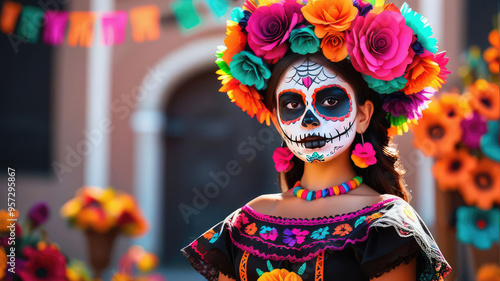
<point>223,277</point>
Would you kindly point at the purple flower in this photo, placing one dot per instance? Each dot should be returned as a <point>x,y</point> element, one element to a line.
<point>362,6</point>
<point>473,129</point>
<point>269,28</point>
<point>294,236</point>
<point>417,48</point>
<point>38,214</point>
<point>244,21</point>
<point>410,106</point>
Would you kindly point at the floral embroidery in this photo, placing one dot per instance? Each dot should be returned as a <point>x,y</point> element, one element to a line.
<point>268,233</point>
<point>294,236</point>
<point>301,241</point>
<point>240,220</point>
<point>320,233</point>
<point>360,220</point>
<point>409,213</point>
<point>214,238</point>
<point>251,229</point>
<point>209,234</point>
<point>374,216</point>
<point>342,229</point>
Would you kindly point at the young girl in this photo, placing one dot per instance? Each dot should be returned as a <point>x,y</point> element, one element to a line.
<point>343,211</point>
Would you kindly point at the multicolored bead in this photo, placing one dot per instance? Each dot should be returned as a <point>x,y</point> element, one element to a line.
<point>310,195</point>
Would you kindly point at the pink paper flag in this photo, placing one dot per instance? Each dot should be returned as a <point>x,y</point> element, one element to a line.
<point>55,27</point>
<point>113,28</point>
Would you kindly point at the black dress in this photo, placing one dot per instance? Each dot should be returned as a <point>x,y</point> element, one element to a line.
<point>359,245</point>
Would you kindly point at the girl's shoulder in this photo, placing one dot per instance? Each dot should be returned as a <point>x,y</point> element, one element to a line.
<point>286,205</point>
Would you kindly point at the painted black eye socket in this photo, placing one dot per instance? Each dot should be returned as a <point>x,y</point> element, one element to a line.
<point>331,102</point>
<point>291,106</point>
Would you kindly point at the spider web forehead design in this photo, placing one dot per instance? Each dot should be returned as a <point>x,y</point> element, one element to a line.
<point>308,73</point>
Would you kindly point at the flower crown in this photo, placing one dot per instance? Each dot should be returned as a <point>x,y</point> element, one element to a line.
<point>391,47</point>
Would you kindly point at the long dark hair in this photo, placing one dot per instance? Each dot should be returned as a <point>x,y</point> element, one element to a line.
<point>384,177</point>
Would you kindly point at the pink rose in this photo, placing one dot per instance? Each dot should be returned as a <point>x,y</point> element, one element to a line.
<point>269,28</point>
<point>379,45</point>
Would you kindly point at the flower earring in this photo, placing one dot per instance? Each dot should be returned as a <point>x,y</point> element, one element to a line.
<point>282,158</point>
<point>363,154</point>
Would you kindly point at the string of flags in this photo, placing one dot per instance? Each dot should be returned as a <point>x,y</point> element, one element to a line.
<point>29,23</point>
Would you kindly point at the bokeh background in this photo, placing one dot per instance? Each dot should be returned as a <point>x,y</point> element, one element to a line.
<point>147,118</point>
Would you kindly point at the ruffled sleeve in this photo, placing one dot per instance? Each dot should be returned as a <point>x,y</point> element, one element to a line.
<point>384,250</point>
<point>213,251</point>
<point>396,238</point>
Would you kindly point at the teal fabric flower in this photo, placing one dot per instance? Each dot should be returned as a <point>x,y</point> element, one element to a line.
<point>478,227</point>
<point>421,27</point>
<point>321,233</point>
<point>250,70</point>
<point>303,41</point>
<point>237,14</point>
<point>490,144</point>
<point>385,87</point>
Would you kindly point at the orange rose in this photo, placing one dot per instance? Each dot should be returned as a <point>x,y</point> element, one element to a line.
<point>329,16</point>
<point>334,47</point>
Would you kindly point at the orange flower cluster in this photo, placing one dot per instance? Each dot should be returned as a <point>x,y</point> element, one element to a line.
<point>104,209</point>
<point>492,54</point>
<point>444,132</point>
<point>144,261</point>
<point>331,19</point>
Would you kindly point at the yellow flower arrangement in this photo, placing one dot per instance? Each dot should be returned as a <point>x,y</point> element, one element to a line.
<point>100,210</point>
<point>280,275</point>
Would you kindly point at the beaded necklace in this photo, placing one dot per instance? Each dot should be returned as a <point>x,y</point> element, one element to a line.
<point>329,191</point>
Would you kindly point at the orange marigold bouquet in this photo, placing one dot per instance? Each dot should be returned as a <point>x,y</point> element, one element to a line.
<point>101,210</point>
<point>462,133</point>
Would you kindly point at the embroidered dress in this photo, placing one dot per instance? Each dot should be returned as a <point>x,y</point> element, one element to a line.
<point>359,245</point>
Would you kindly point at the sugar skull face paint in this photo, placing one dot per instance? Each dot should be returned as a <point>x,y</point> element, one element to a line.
<point>316,111</point>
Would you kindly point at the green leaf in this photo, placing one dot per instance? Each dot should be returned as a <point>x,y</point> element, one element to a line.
<point>30,23</point>
<point>302,269</point>
<point>260,272</point>
<point>218,7</point>
<point>186,14</point>
<point>269,266</point>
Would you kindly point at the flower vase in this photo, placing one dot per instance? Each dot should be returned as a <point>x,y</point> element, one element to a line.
<point>100,247</point>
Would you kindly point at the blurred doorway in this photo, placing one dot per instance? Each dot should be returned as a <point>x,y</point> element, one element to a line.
<point>216,160</point>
